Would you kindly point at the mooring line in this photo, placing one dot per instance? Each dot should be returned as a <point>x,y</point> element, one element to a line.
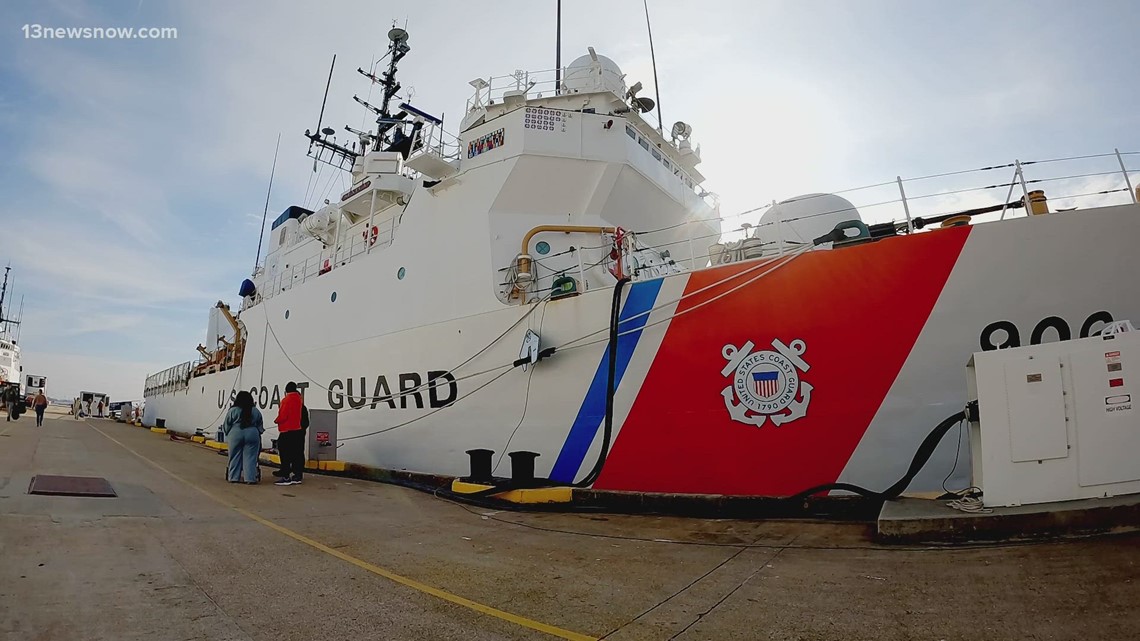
<point>365,565</point>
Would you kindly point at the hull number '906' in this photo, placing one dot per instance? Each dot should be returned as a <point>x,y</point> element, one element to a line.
<point>1004,334</point>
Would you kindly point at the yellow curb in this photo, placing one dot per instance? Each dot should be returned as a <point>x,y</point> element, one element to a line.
<point>312,465</point>
<point>158,430</point>
<point>528,495</point>
<point>216,445</point>
<point>331,466</point>
<point>198,439</point>
<point>270,458</point>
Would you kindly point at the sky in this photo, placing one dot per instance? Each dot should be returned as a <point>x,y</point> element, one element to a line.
<point>134,172</point>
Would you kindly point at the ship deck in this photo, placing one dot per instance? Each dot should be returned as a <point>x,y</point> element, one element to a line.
<point>181,554</point>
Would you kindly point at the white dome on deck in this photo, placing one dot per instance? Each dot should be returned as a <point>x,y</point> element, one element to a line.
<point>585,75</point>
<point>804,218</point>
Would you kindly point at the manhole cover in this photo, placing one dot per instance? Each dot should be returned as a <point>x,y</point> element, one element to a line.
<point>70,486</point>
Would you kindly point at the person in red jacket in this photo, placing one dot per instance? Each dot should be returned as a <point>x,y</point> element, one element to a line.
<point>291,439</point>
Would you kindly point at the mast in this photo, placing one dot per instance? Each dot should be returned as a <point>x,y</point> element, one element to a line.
<point>5,318</point>
<point>337,155</point>
<point>390,134</point>
<point>3,292</point>
<point>265,214</point>
<point>653,58</point>
<point>19,321</point>
<point>558,50</point>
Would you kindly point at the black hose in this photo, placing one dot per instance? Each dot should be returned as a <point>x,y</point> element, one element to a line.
<point>925,451</point>
<point>611,388</point>
<point>607,432</point>
<point>921,457</point>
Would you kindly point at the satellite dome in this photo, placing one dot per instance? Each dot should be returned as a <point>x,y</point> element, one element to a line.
<point>804,218</point>
<point>593,72</point>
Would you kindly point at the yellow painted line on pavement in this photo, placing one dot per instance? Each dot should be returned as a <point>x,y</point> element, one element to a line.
<point>365,565</point>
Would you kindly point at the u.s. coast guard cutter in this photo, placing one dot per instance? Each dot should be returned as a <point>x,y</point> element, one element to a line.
<point>459,296</point>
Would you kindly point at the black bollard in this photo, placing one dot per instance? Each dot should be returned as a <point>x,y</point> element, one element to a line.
<point>480,466</point>
<point>522,468</point>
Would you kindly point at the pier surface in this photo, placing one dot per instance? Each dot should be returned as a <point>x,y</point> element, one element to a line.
<point>181,554</point>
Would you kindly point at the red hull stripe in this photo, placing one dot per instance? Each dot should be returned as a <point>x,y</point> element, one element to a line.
<point>855,312</point>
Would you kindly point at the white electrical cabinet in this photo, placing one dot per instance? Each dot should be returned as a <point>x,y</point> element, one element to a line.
<point>1057,421</point>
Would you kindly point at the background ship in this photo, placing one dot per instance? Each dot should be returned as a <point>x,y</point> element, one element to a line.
<point>11,371</point>
<point>553,280</point>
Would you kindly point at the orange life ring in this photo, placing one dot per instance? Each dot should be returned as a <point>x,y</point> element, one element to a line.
<point>375,234</point>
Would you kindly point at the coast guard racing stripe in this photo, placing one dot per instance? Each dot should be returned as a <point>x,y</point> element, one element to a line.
<point>641,298</point>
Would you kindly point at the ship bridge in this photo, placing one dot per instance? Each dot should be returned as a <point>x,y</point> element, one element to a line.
<point>576,147</point>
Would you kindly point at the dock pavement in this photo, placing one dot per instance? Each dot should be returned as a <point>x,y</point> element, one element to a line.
<point>180,554</point>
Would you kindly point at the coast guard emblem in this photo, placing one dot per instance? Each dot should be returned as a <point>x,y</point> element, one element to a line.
<point>766,384</point>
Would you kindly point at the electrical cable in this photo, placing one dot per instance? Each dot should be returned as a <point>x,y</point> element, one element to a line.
<point>375,399</point>
<point>925,450</point>
<point>957,451</point>
<point>611,388</point>
<point>773,263</point>
<point>607,433</point>
<point>526,404</point>
<point>458,501</point>
<point>308,187</point>
<point>312,380</point>
<point>526,399</point>
<point>423,416</point>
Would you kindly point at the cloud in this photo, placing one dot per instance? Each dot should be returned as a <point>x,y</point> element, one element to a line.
<point>69,374</point>
<point>95,323</point>
<point>81,267</point>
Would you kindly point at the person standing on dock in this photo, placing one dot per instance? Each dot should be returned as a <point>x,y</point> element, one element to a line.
<point>243,427</point>
<point>40,404</point>
<point>291,441</point>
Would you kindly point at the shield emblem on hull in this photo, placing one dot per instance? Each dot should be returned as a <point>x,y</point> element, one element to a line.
<point>766,384</point>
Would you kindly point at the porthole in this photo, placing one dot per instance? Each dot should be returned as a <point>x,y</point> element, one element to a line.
<point>401,273</point>
<point>286,314</point>
<point>542,247</point>
<point>332,299</point>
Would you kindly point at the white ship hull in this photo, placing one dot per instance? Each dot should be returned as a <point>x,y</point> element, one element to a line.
<point>882,333</point>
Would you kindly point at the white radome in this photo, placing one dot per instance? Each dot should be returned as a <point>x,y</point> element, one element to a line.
<point>584,75</point>
<point>804,218</point>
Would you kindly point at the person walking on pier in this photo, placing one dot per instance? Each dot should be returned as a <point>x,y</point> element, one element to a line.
<point>291,441</point>
<point>40,404</point>
<point>243,427</point>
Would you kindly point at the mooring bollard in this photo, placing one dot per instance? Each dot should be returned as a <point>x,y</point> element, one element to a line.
<point>480,465</point>
<point>522,467</point>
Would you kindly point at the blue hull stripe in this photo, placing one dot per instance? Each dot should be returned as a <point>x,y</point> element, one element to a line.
<point>592,413</point>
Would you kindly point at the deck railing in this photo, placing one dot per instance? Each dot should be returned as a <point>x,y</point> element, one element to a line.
<point>542,84</point>
<point>320,264</point>
<point>171,379</point>
<point>1069,183</point>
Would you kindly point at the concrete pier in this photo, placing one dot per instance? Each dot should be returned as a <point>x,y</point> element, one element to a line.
<point>181,554</point>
